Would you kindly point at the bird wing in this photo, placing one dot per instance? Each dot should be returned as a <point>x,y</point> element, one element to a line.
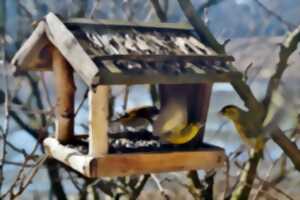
<point>184,135</point>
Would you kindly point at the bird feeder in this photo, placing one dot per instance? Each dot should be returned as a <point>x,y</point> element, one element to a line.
<point>105,53</point>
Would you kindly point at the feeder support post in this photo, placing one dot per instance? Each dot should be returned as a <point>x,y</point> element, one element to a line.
<point>65,97</point>
<point>98,130</point>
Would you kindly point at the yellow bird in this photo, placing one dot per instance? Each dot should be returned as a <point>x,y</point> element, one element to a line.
<point>182,133</point>
<point>172,125</point>
<point>249,132</point>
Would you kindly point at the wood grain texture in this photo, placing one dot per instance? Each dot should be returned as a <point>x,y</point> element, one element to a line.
<point>33,55</point>
<point>125,24</point>
<point>98,138</point>
<point>68,156</point>
<point>112,165</point>
<point>69,47</point>
<point>109,78</point>
<point>162,58</point>
<point>143,163</point>
<point>65,94</point>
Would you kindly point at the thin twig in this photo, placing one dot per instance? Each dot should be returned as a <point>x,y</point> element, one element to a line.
<point>227,176</point>
<point>19,179</point>
<point>160,188</point>
<point>268,184</point>
<point>17,163</point>
<point>47,93</point>
<point>85,95</point>
<point>270,12</point>
<point>5,124</point>
<point>74,181</point>
<point>126,95</point>
<point>28,180</point>
<point>95,7</point>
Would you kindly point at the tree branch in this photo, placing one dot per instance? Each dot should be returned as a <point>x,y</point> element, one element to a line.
<point>286,50</point>
<point>207,4</point>
<point>247,177</point>
<point>135,193</point>
<point>205,35</point>
<point>289,148</point>
<point>161,14</point>
<point>289,25</point>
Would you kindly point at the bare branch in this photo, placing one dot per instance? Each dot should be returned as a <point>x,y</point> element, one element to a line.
<point>286,50</point>
<point>270,12</point>
<point>26,181</point>
<point>290,148</point>
<point>46,92</point>
<point>208,4</point>
<point>206,36</point>
<point>140,187</point>
<point>6,124</point>
<point>161,14</point>
<point>247,177</point>
<point>160,188</point>
<point>200,27</point>
<point>95,7</point>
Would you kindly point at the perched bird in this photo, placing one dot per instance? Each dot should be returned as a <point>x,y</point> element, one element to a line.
<point>182,134</point>
<point>138,117</point>
<point>248,130</point>
<point>172,125</point>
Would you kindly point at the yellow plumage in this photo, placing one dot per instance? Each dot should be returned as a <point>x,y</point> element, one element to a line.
<point>248,131</point>
<point>182,134</point>
<point>172,125</point>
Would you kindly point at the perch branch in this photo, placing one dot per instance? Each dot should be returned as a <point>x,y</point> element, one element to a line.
<point>247,177</point>
<point>206,36</point>
<point>240,86</point>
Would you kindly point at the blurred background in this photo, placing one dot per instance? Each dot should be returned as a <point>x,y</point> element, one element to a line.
<point>255,28</point>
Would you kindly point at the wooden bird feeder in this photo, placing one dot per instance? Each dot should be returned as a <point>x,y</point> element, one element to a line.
<point>105,53</point>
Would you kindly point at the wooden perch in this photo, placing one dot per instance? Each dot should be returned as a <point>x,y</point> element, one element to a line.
<point>98,139</point>
<point>68,156</point>
<point>112,165</point>
<point>65,90</point>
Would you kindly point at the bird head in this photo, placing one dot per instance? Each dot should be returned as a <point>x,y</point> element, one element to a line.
<point>231,111</point>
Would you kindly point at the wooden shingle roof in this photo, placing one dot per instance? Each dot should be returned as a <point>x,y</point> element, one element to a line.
<point>103,52</point>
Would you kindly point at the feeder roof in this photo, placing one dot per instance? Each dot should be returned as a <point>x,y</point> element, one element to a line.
<point>114,52</point>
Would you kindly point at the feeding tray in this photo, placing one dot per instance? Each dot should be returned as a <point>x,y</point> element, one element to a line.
<point>105,53</point>
<point>126,161</point>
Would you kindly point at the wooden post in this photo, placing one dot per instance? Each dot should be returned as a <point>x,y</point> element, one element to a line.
<point>65,93</point>
<point>99,105</point>
<point>199,99</point>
